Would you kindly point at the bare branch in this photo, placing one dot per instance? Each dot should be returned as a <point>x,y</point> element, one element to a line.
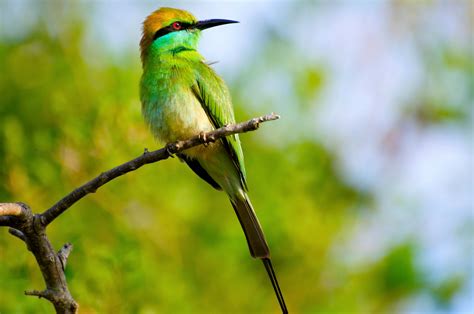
<point>12,214</point>
<point>7,221</point>
<point>10,209</point>
<point>47,294</point>
<point>17,233</point>
<point>32,228</point>
<point>59,301</point>
<point>149,157</point>
<point>26,226</point>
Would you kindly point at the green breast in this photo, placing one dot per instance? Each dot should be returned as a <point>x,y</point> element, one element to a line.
<point>168,103</point>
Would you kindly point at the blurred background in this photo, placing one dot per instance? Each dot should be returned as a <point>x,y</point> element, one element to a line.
<point>364,187</point>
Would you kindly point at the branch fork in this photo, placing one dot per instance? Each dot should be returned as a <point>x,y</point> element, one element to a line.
<point>31,228</point>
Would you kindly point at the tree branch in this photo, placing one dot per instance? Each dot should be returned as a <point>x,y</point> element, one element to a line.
<point>26,226</point>
<point>32,228</point>
<point>11,214</point>
<point>10,209</point>
<point>17,233</point>
<point>149,157</point>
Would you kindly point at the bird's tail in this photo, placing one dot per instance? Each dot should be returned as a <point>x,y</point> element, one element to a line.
<point>256,241</point>
<point>253,231</point>
<point>276,287</point>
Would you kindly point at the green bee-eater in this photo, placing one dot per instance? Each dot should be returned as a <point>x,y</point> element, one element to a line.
<point>182,96</point>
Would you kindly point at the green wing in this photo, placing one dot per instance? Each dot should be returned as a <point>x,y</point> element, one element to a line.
<point>214,97</point>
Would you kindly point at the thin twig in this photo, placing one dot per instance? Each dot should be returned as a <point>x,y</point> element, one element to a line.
<point>149,157</point>
<point>47,294</point>
<point>17,233</point>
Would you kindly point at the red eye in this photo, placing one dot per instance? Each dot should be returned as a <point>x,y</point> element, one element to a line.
<point>176,26</point>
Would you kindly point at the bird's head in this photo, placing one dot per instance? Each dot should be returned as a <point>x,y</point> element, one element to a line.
<point>169,29</point>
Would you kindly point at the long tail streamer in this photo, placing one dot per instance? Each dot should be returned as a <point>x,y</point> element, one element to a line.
<point>271,273</point>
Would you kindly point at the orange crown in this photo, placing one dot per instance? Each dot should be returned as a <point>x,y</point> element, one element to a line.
<point>159,19</point>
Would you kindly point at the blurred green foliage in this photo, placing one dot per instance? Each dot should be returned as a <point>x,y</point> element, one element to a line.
<point>159,239</point>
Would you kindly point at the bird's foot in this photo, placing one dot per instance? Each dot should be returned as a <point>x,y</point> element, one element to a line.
<point>145,151</point>
<point>203,138</point>
<point>171,149</point>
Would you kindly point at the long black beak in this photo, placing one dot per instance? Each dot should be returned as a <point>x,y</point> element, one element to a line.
<point>211,23</point>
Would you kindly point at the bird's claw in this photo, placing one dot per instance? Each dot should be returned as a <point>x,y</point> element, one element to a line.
<point>203,138</point>
<point>170,150</point>
<point>145,151</point>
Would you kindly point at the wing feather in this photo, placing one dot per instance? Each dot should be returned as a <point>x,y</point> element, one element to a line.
<point>212,93</point>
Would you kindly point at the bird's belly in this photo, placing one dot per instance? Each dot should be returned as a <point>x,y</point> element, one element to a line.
<point>183,119</point>
<point>180,118</point>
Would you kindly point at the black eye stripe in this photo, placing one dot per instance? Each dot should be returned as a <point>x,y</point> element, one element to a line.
<point>169,29</point>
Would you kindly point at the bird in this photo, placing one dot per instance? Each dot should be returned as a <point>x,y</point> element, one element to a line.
<point>182,96</point>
